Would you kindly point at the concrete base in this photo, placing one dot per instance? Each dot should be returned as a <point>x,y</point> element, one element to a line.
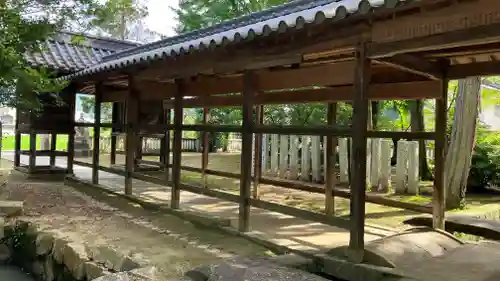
<point>43,172</point>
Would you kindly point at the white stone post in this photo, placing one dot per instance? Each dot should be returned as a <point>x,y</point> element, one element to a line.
<point>265,153</point>
<point>316,158</point>
<point>343,160</point>
<point>385,165</point>
<point>375,167</point>
<point>368,160</point>
<point>305,158</point>
<point>284,140</point>
<point>413,168</point>
<point>401,166</point>
<point>294,158</point>
<point>274,154</point>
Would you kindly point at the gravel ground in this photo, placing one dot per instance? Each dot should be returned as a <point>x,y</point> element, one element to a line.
<point>173,245</point>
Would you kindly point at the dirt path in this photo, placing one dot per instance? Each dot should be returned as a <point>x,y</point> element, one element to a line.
<point>171,244</point>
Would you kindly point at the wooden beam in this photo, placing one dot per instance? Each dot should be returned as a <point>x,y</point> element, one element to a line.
<point>71,135</point>
<point>53,143</point>
<point>132,108</point>
<point>176,170</point>
<point>166,144</point>
<point>204,152</point>
<point>246,151</point>
<point>389,91</point>
<point>474,36</point>
<point>114,118</point>
<point>257,172</point>
<point>32,157</point>
<point>439,192</point>
<point>97,133</point>
<point>414,64</point>
<point>331,144</point>
<point>360,123</point>
<point>17,140</point>
<point>460,71</point>
<point>304,130</point>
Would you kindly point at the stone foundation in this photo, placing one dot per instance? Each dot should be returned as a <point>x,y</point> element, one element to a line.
<point>50,258</point>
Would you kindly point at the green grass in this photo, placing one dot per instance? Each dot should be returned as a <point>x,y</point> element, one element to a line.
<point>8,142</point>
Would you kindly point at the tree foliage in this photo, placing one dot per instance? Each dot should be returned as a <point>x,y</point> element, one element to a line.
<point>117,18</point>
<point>24,23</point>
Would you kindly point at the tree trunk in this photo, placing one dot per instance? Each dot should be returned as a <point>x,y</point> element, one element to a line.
<point>417,125</point>
<point>462,141</point>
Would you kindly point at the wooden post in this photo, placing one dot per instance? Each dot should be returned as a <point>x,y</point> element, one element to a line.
<point>257,172</point>
<point>132,108</point>
<point>71,135</point>
<point>358,181</point>
<point>204,152</point>
<point>166,144</point>
<point>53,143</point>
<point>438,194</point>
<point>97,132</point>
<point>330,178</point>
<point>32,161</point>
<point>246,151</point>
<point>17,141</point>
<point>114,113</point>
<point>177,157</point>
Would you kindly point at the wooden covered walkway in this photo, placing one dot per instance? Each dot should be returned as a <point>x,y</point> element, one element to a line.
<point>283,230</point>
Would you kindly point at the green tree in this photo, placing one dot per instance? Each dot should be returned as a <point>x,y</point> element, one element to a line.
<point>117,17</point>
<point>196,14</point>
<point>24,23</point>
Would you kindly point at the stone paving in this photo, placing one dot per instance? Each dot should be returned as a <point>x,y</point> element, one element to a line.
<point>284,230</point>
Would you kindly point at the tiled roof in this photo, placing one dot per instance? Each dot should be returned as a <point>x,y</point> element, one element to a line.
<point>61,54</point>
<point>294,14</point>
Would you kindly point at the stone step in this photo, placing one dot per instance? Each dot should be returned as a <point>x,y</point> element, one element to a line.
<point>11,208</point>
<point>470,262</point>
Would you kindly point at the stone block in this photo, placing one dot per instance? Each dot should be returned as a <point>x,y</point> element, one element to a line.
<point>93,270</point>
<point>5,253</point>
<point>112,259</point>
<point>48,267</point>
<point>44,243</point>
<point>75,256</point>
<point>2,225</point>
<point>11,208</point>
<point>120,276</point>
<point>58,250</point>
<point>244,269</point>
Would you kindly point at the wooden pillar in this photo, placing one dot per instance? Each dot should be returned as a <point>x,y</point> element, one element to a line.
<point>359,150</point>
<point>331,144</point>
<point>177,155</point>
<point>71,135</point>
<point>166,145</point>
<point>114,120</point>
<point>205,148</point>
<point>32,159</point>
<point>17,141</point>
<point>438,194</point>
<point>246,151</point>
<point>257,172</point>
<point>97,133</point>
<point>132,108</point>
<point>53,142</point>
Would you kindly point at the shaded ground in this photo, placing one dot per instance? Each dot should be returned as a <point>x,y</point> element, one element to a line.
<point>167,241</point>
<point>375,214</point>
